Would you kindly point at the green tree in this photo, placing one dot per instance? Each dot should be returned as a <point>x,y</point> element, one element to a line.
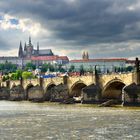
<point>44,68</point>
<point>30,65</point>
<point>8,67</point>
<point>72,68</point>
<point>5,77</point>
<point>60,68</point>
<point>91,69</point>
<point>98,70</point>
<point>115,69</point>
<point>82,71</point>
<point>119,69</point>
<point>19,73</point>
<point>107,71</point>
<point>51,67</point>
<point>129,68</point>
<point>14,76</point>
<point>27,75</point>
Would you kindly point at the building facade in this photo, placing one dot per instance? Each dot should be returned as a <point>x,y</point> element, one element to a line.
<point>104,65</point>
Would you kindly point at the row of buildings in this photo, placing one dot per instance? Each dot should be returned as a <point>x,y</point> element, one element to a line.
<point>28,53</point>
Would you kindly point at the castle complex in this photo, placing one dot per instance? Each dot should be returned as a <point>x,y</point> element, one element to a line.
<point>28,53</point>
<point>36,56</point>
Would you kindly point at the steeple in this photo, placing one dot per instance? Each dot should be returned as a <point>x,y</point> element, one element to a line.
<point>20,52</point>
<point>30,40</point>
<point>83,55</point>
<point>25,47</point>
<point>86,56</point>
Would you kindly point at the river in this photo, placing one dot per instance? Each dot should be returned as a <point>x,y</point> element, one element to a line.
<point>52,121</point>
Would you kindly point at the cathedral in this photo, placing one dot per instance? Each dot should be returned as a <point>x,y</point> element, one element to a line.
<point>28,54</point>
<point>85,56</point>
<point>28,51</point>
<point>39,56</point>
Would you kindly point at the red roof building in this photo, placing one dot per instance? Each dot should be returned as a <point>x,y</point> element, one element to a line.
<point>55,59</point>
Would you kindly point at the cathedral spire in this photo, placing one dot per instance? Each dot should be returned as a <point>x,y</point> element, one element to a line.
<point>25,47</point>
<point>20,52</point>
<point>83,55</point>
<point>87,56</point>
<point>29,40</point>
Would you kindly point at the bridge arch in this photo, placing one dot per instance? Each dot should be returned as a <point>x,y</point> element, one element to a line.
<point>13,85</point>
<point>48,91</point>
<point>76,89</point>
<point>113,90</point>
<point>29,86</point>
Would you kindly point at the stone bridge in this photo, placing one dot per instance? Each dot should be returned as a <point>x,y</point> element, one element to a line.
<point>111,85</point>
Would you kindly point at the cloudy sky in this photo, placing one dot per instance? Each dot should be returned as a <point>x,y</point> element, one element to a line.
<point>105,28</point>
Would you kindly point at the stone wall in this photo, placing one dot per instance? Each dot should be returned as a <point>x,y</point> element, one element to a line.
<point>36,93</point>
<point>17,93</point>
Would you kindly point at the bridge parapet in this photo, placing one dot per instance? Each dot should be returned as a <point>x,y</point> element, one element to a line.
<point>34,82</point>
<point>3,84</point>
<point>126,78</point>
<point>55,81</point>
<point>14,83</point>
<point>87,80</point>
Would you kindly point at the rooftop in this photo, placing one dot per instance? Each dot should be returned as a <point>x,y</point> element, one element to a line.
<point>98,60</point>
<point>49,58</point>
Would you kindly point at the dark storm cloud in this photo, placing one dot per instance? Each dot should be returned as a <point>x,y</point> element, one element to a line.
<point>82,22</point>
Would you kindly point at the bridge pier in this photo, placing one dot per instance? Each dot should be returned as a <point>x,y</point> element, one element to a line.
<point>8,84</point>
<point>131,93</point>
<point>92,92</point>
<point>41,81</point>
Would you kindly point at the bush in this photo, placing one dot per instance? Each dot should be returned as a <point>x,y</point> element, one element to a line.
<point>27,75</point>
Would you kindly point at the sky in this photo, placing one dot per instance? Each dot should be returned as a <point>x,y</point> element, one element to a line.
<point>104,28</point>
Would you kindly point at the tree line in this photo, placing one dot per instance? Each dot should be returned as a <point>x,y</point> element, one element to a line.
<point>12,71</point>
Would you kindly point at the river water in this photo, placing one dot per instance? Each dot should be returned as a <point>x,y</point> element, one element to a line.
<point>52,121</point>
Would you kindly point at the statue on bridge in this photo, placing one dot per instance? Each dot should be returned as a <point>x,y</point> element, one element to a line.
<point>137,71</point>
<point>137,64</point>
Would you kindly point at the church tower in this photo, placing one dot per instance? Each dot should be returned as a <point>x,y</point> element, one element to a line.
<point>83,55</point>
<point>25,47</point>
<point>20,52</point>
<point>29,49</point>
<point>30,41</point>
<point>87,56</point>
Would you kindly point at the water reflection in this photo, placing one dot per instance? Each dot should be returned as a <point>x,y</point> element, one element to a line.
<point>24,120</point>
